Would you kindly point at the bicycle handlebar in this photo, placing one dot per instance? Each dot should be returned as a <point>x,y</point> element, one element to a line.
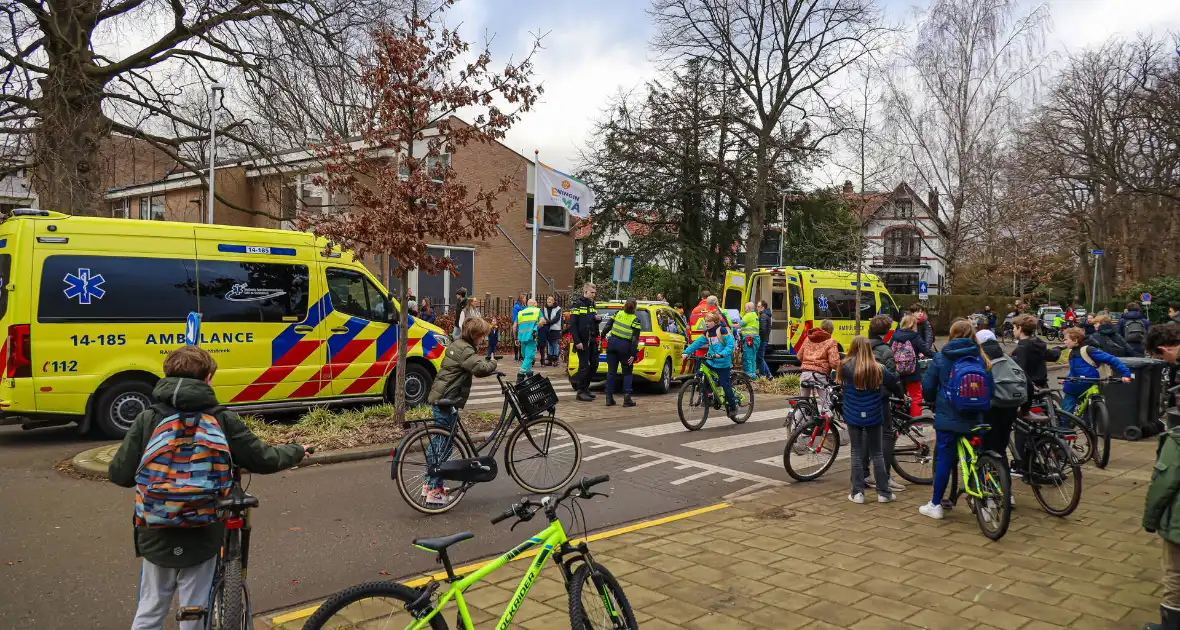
<point>1083,379</point>
<point>521,509</point>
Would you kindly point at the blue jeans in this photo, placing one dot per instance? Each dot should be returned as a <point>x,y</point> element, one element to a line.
<point>554,349</point>
<point>726,386</point>
<point>492,340</point>
<point>946,442</point>
<point>440,446</point>
<point>763,367</point>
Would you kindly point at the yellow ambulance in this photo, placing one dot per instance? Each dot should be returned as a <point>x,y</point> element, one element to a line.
<point>90,306</point>
<point>800,298</point>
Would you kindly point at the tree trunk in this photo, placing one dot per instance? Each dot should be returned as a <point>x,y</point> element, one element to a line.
<point>758,208</point>
<point>403,320</point>
<point>71,127</point>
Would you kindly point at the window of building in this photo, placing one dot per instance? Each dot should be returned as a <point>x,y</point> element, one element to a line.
<point>251,292</point>
<point>614,245</point>
<point>121,209</point>
<point>151,208</point>
<point>443,160</point>
<point>552,217</point>
<point>841,304</point>
<point>903,209</point>
<point>901,283</point>
<point>117,289</point>
<point>441,287</point>
<point>353,294</point>
<point>903,245</point>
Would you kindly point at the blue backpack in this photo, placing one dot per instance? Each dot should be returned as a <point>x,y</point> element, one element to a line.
<point>969,388</point>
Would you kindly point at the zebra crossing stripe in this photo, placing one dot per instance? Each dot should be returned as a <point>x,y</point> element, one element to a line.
<point>669,428</point>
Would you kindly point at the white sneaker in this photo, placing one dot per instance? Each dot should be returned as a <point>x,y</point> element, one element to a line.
<point>437,497</point>
<point>890,498</point>
<point>931,510</point>
<point>425,489</point>
<point>859,497</point>
<point>894,486</point>
<point>1012,500</point>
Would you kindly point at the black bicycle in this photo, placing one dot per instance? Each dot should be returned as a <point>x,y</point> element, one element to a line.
<point>542,453</point>
<point>913,449</point>
<point>1081,438</point>
<point>229,600</point>
<point>1050,468</point>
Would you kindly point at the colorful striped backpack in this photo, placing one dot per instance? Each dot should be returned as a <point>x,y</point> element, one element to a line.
<point>185,469</point>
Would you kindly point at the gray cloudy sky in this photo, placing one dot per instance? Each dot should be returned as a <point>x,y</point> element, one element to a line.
<point>596,47</point>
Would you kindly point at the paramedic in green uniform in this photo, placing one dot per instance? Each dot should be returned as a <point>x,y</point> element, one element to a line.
<point>527,323</point>
<point>750,341</point>
<point>622,348</point>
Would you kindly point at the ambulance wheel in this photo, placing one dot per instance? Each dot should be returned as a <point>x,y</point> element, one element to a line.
<point>118,406</point>
<point>418,381</point>
<point>663,385</point>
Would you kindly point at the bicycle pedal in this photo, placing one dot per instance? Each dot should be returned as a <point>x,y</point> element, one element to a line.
<point>191,613</point>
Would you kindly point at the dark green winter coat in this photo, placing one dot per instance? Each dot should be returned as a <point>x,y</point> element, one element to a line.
<point>185,547</point>
<point>460,363</point>
<point>1162,512</point>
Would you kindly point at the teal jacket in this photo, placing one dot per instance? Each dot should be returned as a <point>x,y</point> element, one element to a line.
<point>182,548</point>
<point>1162,510</point>
<point>720,351</point>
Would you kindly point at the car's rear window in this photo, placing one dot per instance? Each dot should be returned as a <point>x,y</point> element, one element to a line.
<point>608,312</point>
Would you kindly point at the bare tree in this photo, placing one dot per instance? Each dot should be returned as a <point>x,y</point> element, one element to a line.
<point>954,97</point>
<point>783,58</point>
<point>65,90</point>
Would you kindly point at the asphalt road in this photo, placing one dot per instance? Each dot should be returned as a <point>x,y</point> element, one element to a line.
<point>66,556</point>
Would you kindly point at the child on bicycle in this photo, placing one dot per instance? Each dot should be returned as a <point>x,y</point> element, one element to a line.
<point>864,382</point>
<point>453,382</point>
<point>717,342</point>
<point>949,424</point>
<point>184,558</point>
<point>1083,363</point>
<point>818,356</point>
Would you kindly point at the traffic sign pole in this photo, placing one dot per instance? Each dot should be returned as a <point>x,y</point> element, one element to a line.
<point>1094,282</point>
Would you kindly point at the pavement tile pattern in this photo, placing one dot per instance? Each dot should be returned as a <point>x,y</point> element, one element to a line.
<point>804,557</point>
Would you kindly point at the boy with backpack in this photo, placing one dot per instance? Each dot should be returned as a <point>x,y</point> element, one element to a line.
<point>1086,362</point>
<point>1133,327</point>
<point>958,384</point>
<point>186,436</point>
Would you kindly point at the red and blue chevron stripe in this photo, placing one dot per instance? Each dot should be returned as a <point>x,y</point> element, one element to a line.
<point>288,350</point>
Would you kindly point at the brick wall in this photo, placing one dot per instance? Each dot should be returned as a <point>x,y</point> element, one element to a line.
<point>123,161</point>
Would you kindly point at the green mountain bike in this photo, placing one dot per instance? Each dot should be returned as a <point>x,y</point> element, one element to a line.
<point>986,483</point>
<point>596,600</point>
<point>703,392</point>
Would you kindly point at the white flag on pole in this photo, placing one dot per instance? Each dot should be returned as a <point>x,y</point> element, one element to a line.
<point>555,188</point>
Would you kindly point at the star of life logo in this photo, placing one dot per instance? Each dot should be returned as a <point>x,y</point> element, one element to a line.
<point>84,286</point>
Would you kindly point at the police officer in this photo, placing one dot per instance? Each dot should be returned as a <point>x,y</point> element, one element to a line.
<point>622,348</point>
<point>527,322</point>
<point>583,324</point>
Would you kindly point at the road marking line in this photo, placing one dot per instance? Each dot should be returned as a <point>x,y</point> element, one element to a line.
<point>598,446</point>
<point>684,467</point>
<point>468,568</point>
<point>692,477</point>
<point>731,479</point>
<point>688,462</point>
<point>668,428</point>
<point>740,440</point>
<point>602,454</point>
<point>638,455</point>
<point>645,465</point>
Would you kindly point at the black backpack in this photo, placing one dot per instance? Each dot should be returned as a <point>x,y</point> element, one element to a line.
<point>1135,331</point>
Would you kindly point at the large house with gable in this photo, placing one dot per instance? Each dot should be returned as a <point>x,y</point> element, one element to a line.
<point>904,237</point>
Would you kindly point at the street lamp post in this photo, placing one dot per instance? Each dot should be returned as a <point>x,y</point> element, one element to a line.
<point>214,89</point>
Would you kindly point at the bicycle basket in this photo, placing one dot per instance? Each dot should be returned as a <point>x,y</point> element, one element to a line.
<point>535,395</point>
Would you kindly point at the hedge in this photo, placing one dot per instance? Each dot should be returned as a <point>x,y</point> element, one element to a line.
<point>944,309</point>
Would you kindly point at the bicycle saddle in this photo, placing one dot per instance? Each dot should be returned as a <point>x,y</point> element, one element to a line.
<point>440,544</point>
<point>1034,417</point>
<point>446,402</point>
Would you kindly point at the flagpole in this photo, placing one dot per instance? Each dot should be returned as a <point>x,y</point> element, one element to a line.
<point>536,216</point>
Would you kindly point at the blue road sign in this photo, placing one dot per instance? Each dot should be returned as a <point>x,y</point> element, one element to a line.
<point>1098,252</point>
<point>1145,298</point>
<point>192,329</point>
<point>923,290</point>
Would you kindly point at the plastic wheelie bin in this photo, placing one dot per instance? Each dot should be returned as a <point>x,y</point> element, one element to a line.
<point>1134,408</point>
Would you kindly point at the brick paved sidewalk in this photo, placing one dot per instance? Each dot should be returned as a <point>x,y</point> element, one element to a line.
<point>804,557</point>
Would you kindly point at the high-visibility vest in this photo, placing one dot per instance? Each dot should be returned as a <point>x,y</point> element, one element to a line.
<point>526,322</point>
<point>625,326</point>
<point>750,323</point>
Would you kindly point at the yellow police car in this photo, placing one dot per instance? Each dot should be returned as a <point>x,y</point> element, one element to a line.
<point>90,306</point>
<point>662,338</point>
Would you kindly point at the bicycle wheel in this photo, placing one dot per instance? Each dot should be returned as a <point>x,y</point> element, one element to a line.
<point>543,455</point>
<point>409,468</point>
<point>1082,441</point>
<point>1100,423</point>
<point>994,511</point>
<point>603,606</point>
<point>227,609</point>
<point>913,453</point>
<point>811,450</point>
<point>377,605</point>
<point>743,390</point>
<point>691,404</point>
<point>1055,477</point>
